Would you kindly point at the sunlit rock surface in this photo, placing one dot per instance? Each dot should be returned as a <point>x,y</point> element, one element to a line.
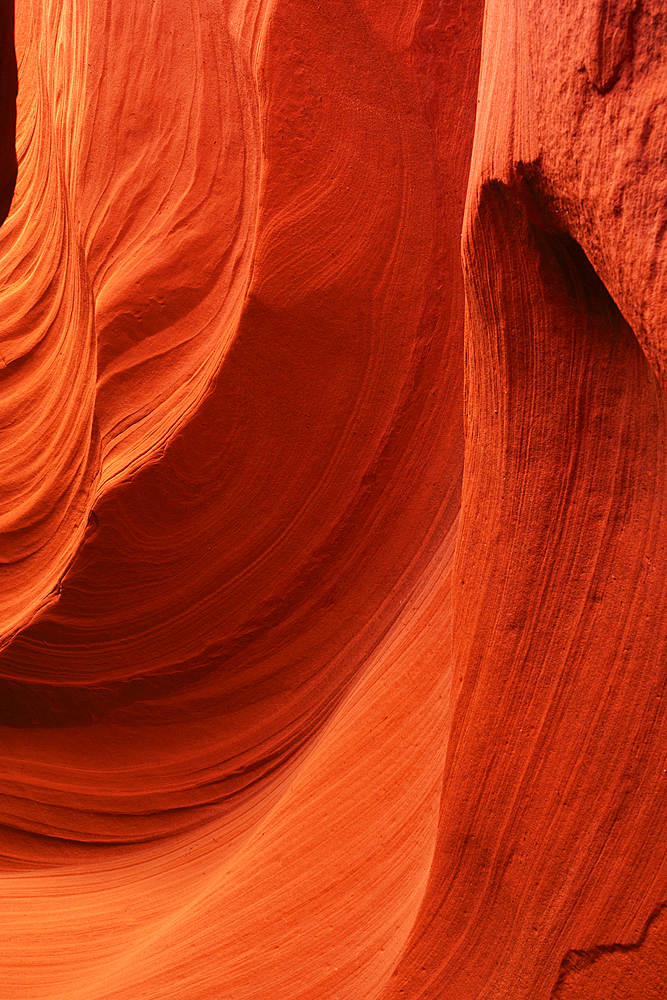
<point>333,654</point>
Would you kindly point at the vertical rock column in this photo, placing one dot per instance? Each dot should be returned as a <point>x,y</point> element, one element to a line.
<point>551,869</point>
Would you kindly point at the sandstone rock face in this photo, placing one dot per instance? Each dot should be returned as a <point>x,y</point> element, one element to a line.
<point>554,810</point>
<point>332,634</point>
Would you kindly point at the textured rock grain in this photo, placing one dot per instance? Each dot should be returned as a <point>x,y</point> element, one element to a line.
<point>234,301</point>
<point>552,826</point>
<point>294,702</point>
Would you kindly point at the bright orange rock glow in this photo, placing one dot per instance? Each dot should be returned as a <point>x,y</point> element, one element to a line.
<point>333,612</point>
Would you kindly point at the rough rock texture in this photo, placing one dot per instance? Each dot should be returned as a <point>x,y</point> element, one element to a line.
<point>552,835</point>
<point>294,703</point>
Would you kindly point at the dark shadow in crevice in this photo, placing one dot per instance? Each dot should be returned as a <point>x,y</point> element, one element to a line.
<point>8,92</point>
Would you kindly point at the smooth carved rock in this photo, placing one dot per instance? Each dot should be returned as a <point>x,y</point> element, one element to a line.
<point>333,635</point>
<point>226,705</point>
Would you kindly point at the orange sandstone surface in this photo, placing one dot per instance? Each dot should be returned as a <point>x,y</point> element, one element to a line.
<point>333,604</point>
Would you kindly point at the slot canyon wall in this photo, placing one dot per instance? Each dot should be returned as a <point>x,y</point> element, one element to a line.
<point>333,617</point>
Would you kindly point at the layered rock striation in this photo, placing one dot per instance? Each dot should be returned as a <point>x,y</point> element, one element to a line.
<point>332,639</point>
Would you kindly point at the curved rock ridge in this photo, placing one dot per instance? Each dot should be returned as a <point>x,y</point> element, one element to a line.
<point>295,702</point>
<point>125,259</point>
<point>235,304</point>
<point>267,901</point>
<point>229,594</point>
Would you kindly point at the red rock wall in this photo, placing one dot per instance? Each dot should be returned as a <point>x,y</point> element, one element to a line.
<point>550,865</point>
<point>294,703</point>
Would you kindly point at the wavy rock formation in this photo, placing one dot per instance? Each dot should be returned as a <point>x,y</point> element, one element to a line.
<point>225,683</point>
<point>293,704</point>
